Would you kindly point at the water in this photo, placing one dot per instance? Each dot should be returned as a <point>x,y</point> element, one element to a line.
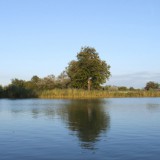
<point>118,129</point>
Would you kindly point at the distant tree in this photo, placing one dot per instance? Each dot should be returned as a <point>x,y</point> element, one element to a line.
<point>88,67</point>
<point>46,83</point>
<point>151,85</point>
<point>18,89</point>
<point>33,83</point>
<point>122,88</point>
<point>1,91</point>
<point>110,88</point>
<point>35,79</point>
<point>17,82</point>
<point>63,80</point>
<point>131,89</point>
<point>106,87</point>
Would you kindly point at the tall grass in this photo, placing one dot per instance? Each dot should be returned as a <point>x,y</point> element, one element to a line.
<point>77,93</point>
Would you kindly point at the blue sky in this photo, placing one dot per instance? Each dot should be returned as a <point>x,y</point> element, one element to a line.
<point>40,37</point>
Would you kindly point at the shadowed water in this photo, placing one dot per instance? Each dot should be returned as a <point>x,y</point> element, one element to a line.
<point>80,129</point>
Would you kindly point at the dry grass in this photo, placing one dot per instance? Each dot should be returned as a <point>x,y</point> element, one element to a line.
<point>76,93</point>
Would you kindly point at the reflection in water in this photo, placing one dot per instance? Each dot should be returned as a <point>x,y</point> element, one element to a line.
<point>77,129</point>
<point>153,107</point>
<point>49,112</point>
<point>35,107</point>
<point>36,112</point>
<point>87,119</point>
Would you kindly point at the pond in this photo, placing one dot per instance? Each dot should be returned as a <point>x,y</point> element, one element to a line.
<point>95,129</point>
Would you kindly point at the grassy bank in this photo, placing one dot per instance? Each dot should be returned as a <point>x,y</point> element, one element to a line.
<point>74,93</point>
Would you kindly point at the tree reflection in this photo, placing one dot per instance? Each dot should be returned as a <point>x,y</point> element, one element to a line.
<point>36,112</point>
<point>153,107</point>
<point>87,119</point>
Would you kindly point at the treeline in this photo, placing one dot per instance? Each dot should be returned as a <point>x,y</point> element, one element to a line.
<point>36,87</point>
<point>87,72</point>
<point>59,87</point>
<point>32,88</point>
<point>150,86</point>
<point>119,88</point>
<point>83,77</point>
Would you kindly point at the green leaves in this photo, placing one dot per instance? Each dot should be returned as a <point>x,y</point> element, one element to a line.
<point>88,64</point>
<point>151,85</point>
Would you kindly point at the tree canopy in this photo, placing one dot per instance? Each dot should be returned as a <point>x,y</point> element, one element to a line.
<point>151,85</point>
<point>88,66</point>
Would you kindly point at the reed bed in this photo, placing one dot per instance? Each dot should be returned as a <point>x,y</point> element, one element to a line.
<point>78,93</point>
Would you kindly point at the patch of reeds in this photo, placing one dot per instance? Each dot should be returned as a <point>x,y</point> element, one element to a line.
<point>78,93</point>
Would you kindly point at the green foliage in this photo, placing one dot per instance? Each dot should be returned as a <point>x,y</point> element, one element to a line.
<point>122,88</point>
<point>35,79</point>
<point>88,65</point>
<point>63,81</point>
<point>131,89</point>
<point>85,72</point>
<point>46,83</point>
<point>110,88</point>
<point>29,89</point>
<point>1,92</point>
<point>18,89</point>
<point>151,85</point>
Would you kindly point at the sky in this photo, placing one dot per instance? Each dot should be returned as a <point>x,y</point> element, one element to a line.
<point>40,37</point>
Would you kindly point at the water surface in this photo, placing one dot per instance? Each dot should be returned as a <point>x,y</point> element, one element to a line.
<point>118,128</point>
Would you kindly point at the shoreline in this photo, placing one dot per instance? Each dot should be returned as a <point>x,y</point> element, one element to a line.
<point>85,94</point>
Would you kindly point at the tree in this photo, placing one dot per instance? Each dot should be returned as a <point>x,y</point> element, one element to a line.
<point>1,91</point>
<point>131,89</point>
<point>35,79</point>
<point>151,85</point>
<point>47,83</point>
<point>122,88</point>
<point>18,89</point>
<point>88,67</point>
<point>63,80</point>
<point>33,83</point>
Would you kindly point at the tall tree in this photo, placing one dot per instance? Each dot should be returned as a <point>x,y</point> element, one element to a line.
<point>151,85</point>
<point>88,69</point>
